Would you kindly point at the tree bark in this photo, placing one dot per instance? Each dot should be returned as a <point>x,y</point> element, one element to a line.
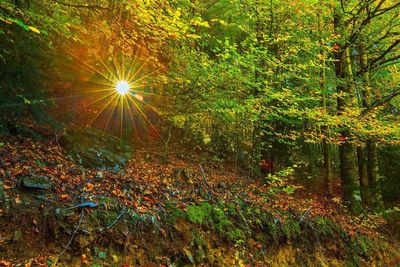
<point>326,153</point>
<point>374,180</point>
<point>362,173</point>
<point>374,193</point>
<point>345,89</point>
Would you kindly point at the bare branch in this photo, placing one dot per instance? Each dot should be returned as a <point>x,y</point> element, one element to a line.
<point>80,6</point>
<point>381,101</point>
<point>382,56</point>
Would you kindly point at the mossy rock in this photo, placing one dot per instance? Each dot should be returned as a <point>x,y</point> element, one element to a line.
<point>93,148</point>
<point>35,182</point>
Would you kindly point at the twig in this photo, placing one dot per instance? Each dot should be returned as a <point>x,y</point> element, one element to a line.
<point>123,211</point>
<point>73,234</point>
<point>305,213</point>
<point>81,6</point>
<point>204,176</point>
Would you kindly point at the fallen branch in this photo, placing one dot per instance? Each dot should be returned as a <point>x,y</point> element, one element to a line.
<point>73,234</point>
<point>204,176</point>
<point>305,213</point>
<point>123,211</point>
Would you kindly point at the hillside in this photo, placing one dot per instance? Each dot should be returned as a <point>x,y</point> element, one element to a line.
<point>184,209</point>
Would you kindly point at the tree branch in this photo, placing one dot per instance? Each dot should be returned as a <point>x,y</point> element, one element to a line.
<point>80,6</point>
<point>381,101</point>
<point>390,48</point>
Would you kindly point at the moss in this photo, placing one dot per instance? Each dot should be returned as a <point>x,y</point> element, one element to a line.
<point>104,217</point>
<point>174,213</point>
<point>199,214</point>
<point>326,228</point>
<point>271,226</point>
<point>223,226</point>
<point>218,214</point>
<point>231,209</point>
<point>291,229</point>
<point>235,235</point>
<point>201,246</point>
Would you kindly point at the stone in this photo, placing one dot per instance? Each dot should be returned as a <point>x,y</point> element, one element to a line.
<point>93,148</point>
<point>35,182</point>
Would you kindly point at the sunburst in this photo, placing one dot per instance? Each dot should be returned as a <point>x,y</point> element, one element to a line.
<point>122,87</point>
<point>117,94</point>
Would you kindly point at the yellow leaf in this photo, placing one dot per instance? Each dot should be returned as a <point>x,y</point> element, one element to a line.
<point>88,187</point>
<point>115,258</point>
<point>34,29</point>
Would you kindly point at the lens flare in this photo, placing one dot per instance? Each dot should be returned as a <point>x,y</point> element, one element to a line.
<point>122,87</point>
<point>117,96</point>
<point>139,97</point>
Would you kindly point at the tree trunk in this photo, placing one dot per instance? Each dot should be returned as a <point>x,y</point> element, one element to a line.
<point>326,153</point>
<point>327,164</point>
<point>374,180</point>
<point>345,88</point>
<point>362,173</point>
<point>374,194</point>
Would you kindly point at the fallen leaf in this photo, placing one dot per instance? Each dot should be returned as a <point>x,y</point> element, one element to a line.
<point>115,258</point>
<point>88,187</point>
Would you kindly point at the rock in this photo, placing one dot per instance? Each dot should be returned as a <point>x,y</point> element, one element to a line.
<point>35,182</point>
<point>94,148</point>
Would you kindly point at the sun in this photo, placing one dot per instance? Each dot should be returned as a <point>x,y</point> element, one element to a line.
<point>122,87</point>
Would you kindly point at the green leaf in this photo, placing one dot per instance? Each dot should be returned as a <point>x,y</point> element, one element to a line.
<point>102,255</point>
<point>19,22</point>
<point>189,255</point>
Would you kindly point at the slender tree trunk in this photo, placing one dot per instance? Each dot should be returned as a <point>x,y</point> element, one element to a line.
<point>374,193</point>
<point>374,180</point>
<point>362,173</point>
<point>345,88</point>
<point>258,77</point>
<point>325,130</point>
<point>327,164</point>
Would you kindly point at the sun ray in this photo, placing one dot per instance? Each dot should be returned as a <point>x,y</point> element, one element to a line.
<point>130,78</point>
<point>131,115</point>
<point>92,68</point>
<point>151,107</point>
<point>131,65</point>
<point>98,91</point>
<point>123,67</point>
<point>88,105</point>
<point>115,77</point>
<point>121,115</point>
<point>112,112</point>
<point>116,68</point>
<point>103,109</point>
<point>146,75</point>
<point>140,110</point>
<point>115,89</point>
<point>98,100</point>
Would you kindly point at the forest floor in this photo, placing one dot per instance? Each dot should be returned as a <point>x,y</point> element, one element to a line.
<point>184,209</point>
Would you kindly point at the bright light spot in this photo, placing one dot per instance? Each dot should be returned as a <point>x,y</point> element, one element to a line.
<point>122,87</point>
<point>138,97</point>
